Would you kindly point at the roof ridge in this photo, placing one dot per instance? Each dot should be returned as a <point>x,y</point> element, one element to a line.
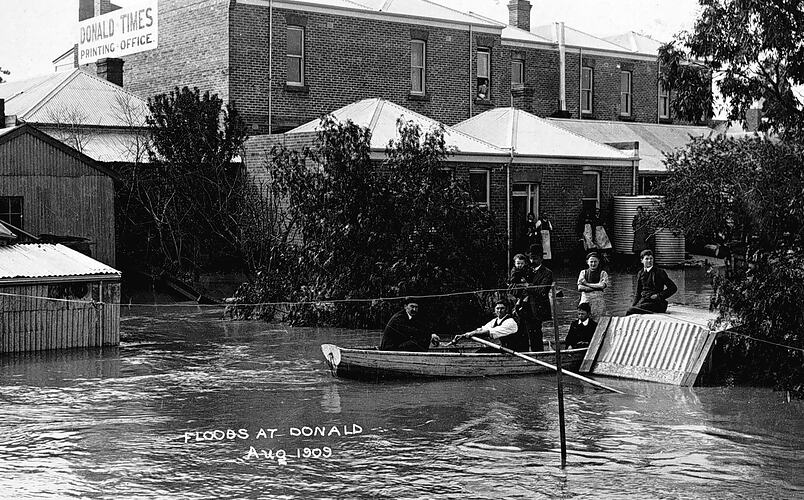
<point>447,127</point>
<point>50,95</point>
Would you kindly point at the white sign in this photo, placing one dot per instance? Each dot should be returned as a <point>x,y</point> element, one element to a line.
<point>122,32</point>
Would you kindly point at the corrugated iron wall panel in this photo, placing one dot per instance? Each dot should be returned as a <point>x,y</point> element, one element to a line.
<point>649,348</point>
<point>61,194</point>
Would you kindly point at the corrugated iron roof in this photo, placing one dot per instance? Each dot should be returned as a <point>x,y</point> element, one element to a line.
<point>380,116</point>
<point>514,34</point>
<point>73,97</point>
<point>577,38</point>
<point>422,9</point>
<point>636,42</point>
<point>530,135</point>
<point>654,139</point>
<point>39,260</point>
<point>106,145</point>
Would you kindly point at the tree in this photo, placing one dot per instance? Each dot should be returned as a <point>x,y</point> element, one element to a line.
<point>753,49</point>
<point>3,72</point>
<point>750,194</point>
<point>190,192</point>
<point>404,227</point>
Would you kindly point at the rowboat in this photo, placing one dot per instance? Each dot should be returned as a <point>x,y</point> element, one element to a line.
<point>449,362</point>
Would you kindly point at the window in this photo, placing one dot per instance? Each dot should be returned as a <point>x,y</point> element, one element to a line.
<point>295,55</point>
<point>586,90</point>
<point>591,190</point>
<point>479,187</point>
<point>417,65</point>
<point>517,73</point>
<point>664,102</point>
<point>625,92</point>
<point>483,73</point>
<point>11,210</point>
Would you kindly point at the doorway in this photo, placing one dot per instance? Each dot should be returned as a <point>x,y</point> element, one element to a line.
<point>525,200</point>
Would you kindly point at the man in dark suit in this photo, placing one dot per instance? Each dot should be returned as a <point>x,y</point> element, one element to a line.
<point>581,331</point>
<point>405,332</point>
<point>653,287</point>
<point>540,297</point>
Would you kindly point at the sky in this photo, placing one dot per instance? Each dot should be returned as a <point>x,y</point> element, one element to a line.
<point>35,32</point>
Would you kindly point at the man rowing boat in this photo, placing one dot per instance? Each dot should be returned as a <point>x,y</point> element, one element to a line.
<point>503,327</point>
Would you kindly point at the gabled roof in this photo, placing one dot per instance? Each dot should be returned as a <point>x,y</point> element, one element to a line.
<point>530,135</point>
<point>40,261</point>
<point>636,42</point>
<point>73,97</point>
<point>654,139</point>
<point>421,9</point>
<point>10,133</point>
<point>576,38</point>
<point>380,117</point>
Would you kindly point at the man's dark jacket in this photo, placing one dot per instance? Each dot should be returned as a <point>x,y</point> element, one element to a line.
<point>405,334</point>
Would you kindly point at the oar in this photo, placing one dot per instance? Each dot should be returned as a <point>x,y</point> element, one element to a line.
<point>542,363</point>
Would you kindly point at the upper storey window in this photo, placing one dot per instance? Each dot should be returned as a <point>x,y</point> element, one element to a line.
<point>517,73</point>
<point>664,102</point>
<point>418,61</point>
<point>625,93</point>
<point>483,73</point>
<point>295,55</point>
<point>586,90</point>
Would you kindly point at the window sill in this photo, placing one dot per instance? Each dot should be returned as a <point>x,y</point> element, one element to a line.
<point>588,116</point>
<point>666,121</point>
<point>625,118</point>
<point>419,97</point>
<point>483,102</point>
<point>518,91</point>
<point>299,89</point>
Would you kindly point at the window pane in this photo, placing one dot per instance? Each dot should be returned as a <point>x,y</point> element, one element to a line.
<point>416,79</point>
<point>590,185</point>
<point>482,64</point>
<point>295,41</point>
<point>625,81</point>
<point>417,54</point>
<point>294,69</point>
<point>478,186</point>
<point>15,204</point>
<point>586,81</point>
<point>516,73</point>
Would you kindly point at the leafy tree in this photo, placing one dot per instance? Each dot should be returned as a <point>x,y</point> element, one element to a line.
<point>749,193</point>
<point>753,48</point>
<point>404,227</point>
<point>190,193</point>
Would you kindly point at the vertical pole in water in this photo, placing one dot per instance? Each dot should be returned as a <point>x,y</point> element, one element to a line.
<point>558,383</point>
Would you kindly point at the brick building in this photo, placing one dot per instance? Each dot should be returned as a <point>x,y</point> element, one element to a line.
<point>550,170</point>
<point>286,62</point>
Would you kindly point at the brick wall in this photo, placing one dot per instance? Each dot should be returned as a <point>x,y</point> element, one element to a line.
<point>348,59</point>
<point>560,185</point>
<point>193,50</point>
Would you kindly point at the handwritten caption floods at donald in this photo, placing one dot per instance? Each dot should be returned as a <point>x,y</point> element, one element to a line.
<point>275,438</point>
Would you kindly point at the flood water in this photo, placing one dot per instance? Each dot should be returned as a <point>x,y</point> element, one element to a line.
<point>175,411</point>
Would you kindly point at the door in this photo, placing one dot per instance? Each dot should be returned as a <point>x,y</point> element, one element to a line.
<point>525,200</point>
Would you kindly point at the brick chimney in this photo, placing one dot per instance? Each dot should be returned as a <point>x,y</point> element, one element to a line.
<point>519,14</point>
<point>111,69</point>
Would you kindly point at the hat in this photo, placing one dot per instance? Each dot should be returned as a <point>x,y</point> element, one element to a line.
<point>592,254</point>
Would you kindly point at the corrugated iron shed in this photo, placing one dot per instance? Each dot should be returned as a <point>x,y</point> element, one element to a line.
<point>49,262</point>
<point>652,347</point>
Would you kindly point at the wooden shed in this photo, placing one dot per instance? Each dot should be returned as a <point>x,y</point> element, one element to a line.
<point>47,187</point>
<point>53,297</point>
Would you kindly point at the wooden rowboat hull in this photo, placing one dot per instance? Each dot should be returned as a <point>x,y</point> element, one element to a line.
<point>373,364</point>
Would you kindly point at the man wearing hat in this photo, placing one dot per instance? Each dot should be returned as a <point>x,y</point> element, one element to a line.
<point>406,332</point>
<point>542,282</point>
<point>653,287</point>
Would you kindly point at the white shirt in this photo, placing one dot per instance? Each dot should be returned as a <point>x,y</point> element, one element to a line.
<point>584,323</point>
<point>505,327</point>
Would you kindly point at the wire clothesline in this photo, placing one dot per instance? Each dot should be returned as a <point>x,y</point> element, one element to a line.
<point>392,298</point>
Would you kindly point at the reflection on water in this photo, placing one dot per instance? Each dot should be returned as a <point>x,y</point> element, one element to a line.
<point>138,422</point>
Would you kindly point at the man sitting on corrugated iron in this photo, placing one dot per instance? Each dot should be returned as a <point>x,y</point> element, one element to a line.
<point>653,288</point>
